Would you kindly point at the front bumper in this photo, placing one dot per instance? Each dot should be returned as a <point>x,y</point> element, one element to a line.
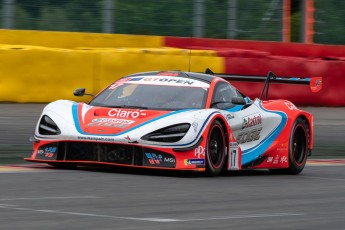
<point>116,154</point>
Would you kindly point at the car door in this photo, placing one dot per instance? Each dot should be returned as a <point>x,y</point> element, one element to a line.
<point>251,125</point>
<point>245,121</point>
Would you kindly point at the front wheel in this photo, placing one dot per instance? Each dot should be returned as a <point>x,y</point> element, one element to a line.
<point>298,148</point>
<point>215,154</point>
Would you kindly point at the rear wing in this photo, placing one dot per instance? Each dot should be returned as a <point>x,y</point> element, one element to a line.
<point>315,83</point>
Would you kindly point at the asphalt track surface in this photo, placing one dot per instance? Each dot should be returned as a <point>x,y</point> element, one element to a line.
<point>36,196</point>
<point>40,197</point>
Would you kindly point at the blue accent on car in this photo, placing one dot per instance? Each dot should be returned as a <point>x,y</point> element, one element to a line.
<point>235,108</point>
<point>247,99</point>
<point>297,79</point>
<point>136,79</point>
<point>253,153</point>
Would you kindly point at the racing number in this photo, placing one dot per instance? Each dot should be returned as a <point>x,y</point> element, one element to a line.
<point>249,136</point>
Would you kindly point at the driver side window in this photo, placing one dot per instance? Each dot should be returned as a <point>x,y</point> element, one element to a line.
<point>222,96</point>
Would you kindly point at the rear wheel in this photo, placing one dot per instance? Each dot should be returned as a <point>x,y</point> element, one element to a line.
<point>298,148</point>
<point>215,154</point>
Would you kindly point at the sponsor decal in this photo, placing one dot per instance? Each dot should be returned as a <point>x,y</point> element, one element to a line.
<point>229,116</point>
<point>276,160</point>
<point>113,125</point>
<point>194,162</point>
<point>154,159</point>
<point>283,159</point>
<point>95,138</point>
<point>282,148</point>
<point>113,86</point>
<point>110,122</point>
<point>119,83</point>
<point>157,159</point>
<point>113,120</point>
<point>199,151</point>
<point>251,120</point>
<point>50,150</point>
<point>195,126</point>
<point>315,84</point>
<point>318,82</point>
<point>47,152</point>
<point>169,80</point>
<point>117,155</point>
<point>123,113</point>
<point>269,159</point>
<point>40,151</point>
<point>290,105</point>
<point>169,159</point>
<point>127,138</point>
<point>248,136</point>
<point>136,79</point>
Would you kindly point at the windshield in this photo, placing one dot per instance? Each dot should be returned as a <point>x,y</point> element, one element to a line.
<point>147,96</point>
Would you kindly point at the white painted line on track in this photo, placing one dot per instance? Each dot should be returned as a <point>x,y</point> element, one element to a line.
<point>10,205</point>
<point>247,216</point>
<point>50,198</point>
<point>323,178</point>
<point>328,123</point>
<point>152,219</point>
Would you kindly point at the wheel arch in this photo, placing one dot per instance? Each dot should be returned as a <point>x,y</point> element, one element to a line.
<point>309,124</point>
<point>225,127</point>
<point>227,131</point>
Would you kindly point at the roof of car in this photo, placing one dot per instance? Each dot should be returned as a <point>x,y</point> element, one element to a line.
<point>191,75</point>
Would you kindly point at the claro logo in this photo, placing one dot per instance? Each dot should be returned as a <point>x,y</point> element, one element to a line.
<point>121,113</point>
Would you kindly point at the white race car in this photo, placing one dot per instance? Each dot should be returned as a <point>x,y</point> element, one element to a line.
<point>178,121</point>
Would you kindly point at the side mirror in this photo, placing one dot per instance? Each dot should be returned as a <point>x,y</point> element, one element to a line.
<point>79,92</point>
<point>238,101</point>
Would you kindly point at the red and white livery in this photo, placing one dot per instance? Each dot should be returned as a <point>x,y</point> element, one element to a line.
<point>178,121</point>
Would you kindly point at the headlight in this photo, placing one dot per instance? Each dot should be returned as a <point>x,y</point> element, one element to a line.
<point>48,127</point>
<point>168,134</point>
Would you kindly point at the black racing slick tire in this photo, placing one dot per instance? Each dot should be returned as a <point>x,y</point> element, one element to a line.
<point>298,148</point>
<point>215,149</point>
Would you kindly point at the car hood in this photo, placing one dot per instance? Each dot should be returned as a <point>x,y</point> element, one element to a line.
<point>81,121</point>
<point>103,120</point>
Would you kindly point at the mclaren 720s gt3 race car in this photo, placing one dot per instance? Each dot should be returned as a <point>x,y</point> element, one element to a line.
<point>177,121</point>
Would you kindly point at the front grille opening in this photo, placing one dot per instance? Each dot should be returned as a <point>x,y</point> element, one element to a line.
<point>107,153</point>
<point>120,154</point>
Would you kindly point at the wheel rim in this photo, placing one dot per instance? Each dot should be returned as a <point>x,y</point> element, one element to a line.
<point>299,145</point>
<point>215,147</point>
